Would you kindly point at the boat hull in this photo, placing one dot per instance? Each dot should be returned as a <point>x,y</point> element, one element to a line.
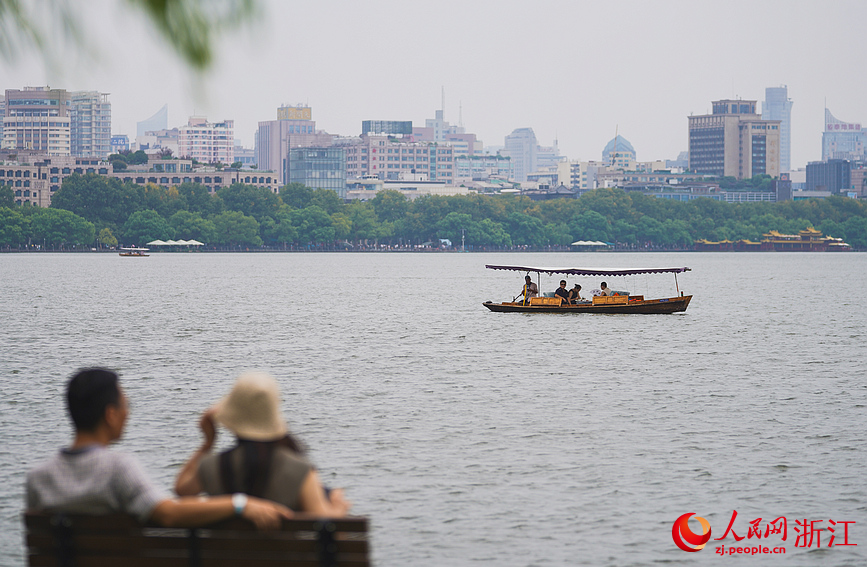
<point>647,307</point>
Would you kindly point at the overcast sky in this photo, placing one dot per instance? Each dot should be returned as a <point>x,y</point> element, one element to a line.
<point>573,70</point>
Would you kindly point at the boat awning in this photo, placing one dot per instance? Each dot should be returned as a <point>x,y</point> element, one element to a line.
<point>590,243</point>
<point>590,271</point>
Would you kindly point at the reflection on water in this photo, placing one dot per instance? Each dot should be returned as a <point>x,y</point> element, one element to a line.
<point>469,436</point>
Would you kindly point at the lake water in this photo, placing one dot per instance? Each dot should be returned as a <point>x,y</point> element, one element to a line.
<point>470,437</point>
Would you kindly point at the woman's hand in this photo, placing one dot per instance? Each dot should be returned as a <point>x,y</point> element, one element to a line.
<point>339,504</point>
<point>209,428</point>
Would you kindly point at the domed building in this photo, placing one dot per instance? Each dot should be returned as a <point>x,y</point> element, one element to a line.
<point>623,153</point>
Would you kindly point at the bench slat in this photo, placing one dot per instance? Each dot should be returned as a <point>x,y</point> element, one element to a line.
<point>108,541</point>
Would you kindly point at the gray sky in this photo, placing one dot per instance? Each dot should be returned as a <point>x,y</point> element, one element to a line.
<point>572,70</point>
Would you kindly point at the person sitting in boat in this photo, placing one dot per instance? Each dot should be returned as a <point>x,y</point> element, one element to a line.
<point>268,462</point>
<point>562,292</point>
<point>575,294</point>
<point>529,290</point>
<point>605,289</point>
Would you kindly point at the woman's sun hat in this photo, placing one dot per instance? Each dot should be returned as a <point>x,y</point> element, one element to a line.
<point>252,409</point>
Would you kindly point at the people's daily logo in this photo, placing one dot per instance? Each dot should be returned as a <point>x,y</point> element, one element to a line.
<point>685,538</point>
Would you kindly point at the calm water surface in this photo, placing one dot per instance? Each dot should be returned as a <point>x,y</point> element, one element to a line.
<point>470,437</point>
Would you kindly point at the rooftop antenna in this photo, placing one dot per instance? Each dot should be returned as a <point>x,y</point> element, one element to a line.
<point>614,153</point>
<point>443,106</point>
<point>460,114</point>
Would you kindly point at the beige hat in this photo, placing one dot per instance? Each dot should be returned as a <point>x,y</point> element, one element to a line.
<point>252,409</point>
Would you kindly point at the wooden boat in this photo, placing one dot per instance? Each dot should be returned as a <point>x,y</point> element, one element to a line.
<point>617,303</point>
<point>134,252</point>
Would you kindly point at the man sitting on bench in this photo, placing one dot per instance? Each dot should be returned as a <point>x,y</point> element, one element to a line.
<point>563,293</point>
<point>87,478</point>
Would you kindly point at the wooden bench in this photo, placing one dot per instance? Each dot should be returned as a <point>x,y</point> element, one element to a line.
<point>610,300</point>
<point>546,301</point>
<point>61,540</point>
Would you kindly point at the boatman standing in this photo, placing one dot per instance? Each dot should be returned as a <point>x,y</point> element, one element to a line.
<point>529,290</point>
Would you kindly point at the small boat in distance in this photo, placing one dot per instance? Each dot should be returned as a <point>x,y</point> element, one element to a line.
<point>137,252</point>
<point>620,302</point>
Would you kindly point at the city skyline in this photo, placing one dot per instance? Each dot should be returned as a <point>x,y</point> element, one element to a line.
<point>574,73</point>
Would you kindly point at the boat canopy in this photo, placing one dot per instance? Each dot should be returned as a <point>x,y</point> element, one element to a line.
<point>590,271</point>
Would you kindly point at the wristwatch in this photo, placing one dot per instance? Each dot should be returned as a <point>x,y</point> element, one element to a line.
<point>239,501</point>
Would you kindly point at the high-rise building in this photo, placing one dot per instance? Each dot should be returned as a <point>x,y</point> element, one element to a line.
<point>394,127</point>
<point>207,142</point>
<point>439,130</point>
<point>522,148</point>
<point>294,128</point>
<point>778,106</point>
<point>319,168</point>
<point>834,175</point>
<point>843,140</point>
<point>159,121</point>
<point>734,141</point>
<point>389,158</point>
<point>619,153</point>
<point>90,124</point>
<point>37,118</point>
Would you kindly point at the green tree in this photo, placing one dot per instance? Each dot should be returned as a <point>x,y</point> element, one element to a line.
<point>234,228</point>
<point>591,225</point>
<point>165,201</point>
<point>296,195</point>
<point>7,197</point>
<point>55,227</point>
<point>856,232</point>
<point>314,225</point>
<point>143,226</point>
<point>342,225</point>
<point>558,234</point>
<point>526,230</point>
<point>200,200</point>
<point>192,226</point>
<point>279,230</point>
<point>13,227</point>
<point>104,201</point>
<point>328,200</point>
<point>137,157</point>
<point>106,238</point>
<point>257,202</point>
<point>363,218</point>
<point>390,205</point>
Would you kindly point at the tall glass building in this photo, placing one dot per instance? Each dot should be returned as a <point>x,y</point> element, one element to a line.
<point>778,106</point>
<point>90,125</point>
<point>318,168</point>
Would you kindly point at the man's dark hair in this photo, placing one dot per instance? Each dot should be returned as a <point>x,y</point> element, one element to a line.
<point>89,392</point>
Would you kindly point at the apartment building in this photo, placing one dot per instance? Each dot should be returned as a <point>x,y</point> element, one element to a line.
<point>90,124</point>
<point>294,128</point>
<point>387,157</point>
<point>734,141</point>
<point>37,119</point>
<point>207,142</point>
<point>482,168</point>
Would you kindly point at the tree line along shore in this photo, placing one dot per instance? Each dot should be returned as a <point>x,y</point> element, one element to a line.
<point>92,211</point>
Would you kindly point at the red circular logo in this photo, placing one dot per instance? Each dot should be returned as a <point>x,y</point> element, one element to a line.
<point>685,538</point>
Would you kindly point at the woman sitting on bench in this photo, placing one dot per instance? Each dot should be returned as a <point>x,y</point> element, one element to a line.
<point>268,462</point>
